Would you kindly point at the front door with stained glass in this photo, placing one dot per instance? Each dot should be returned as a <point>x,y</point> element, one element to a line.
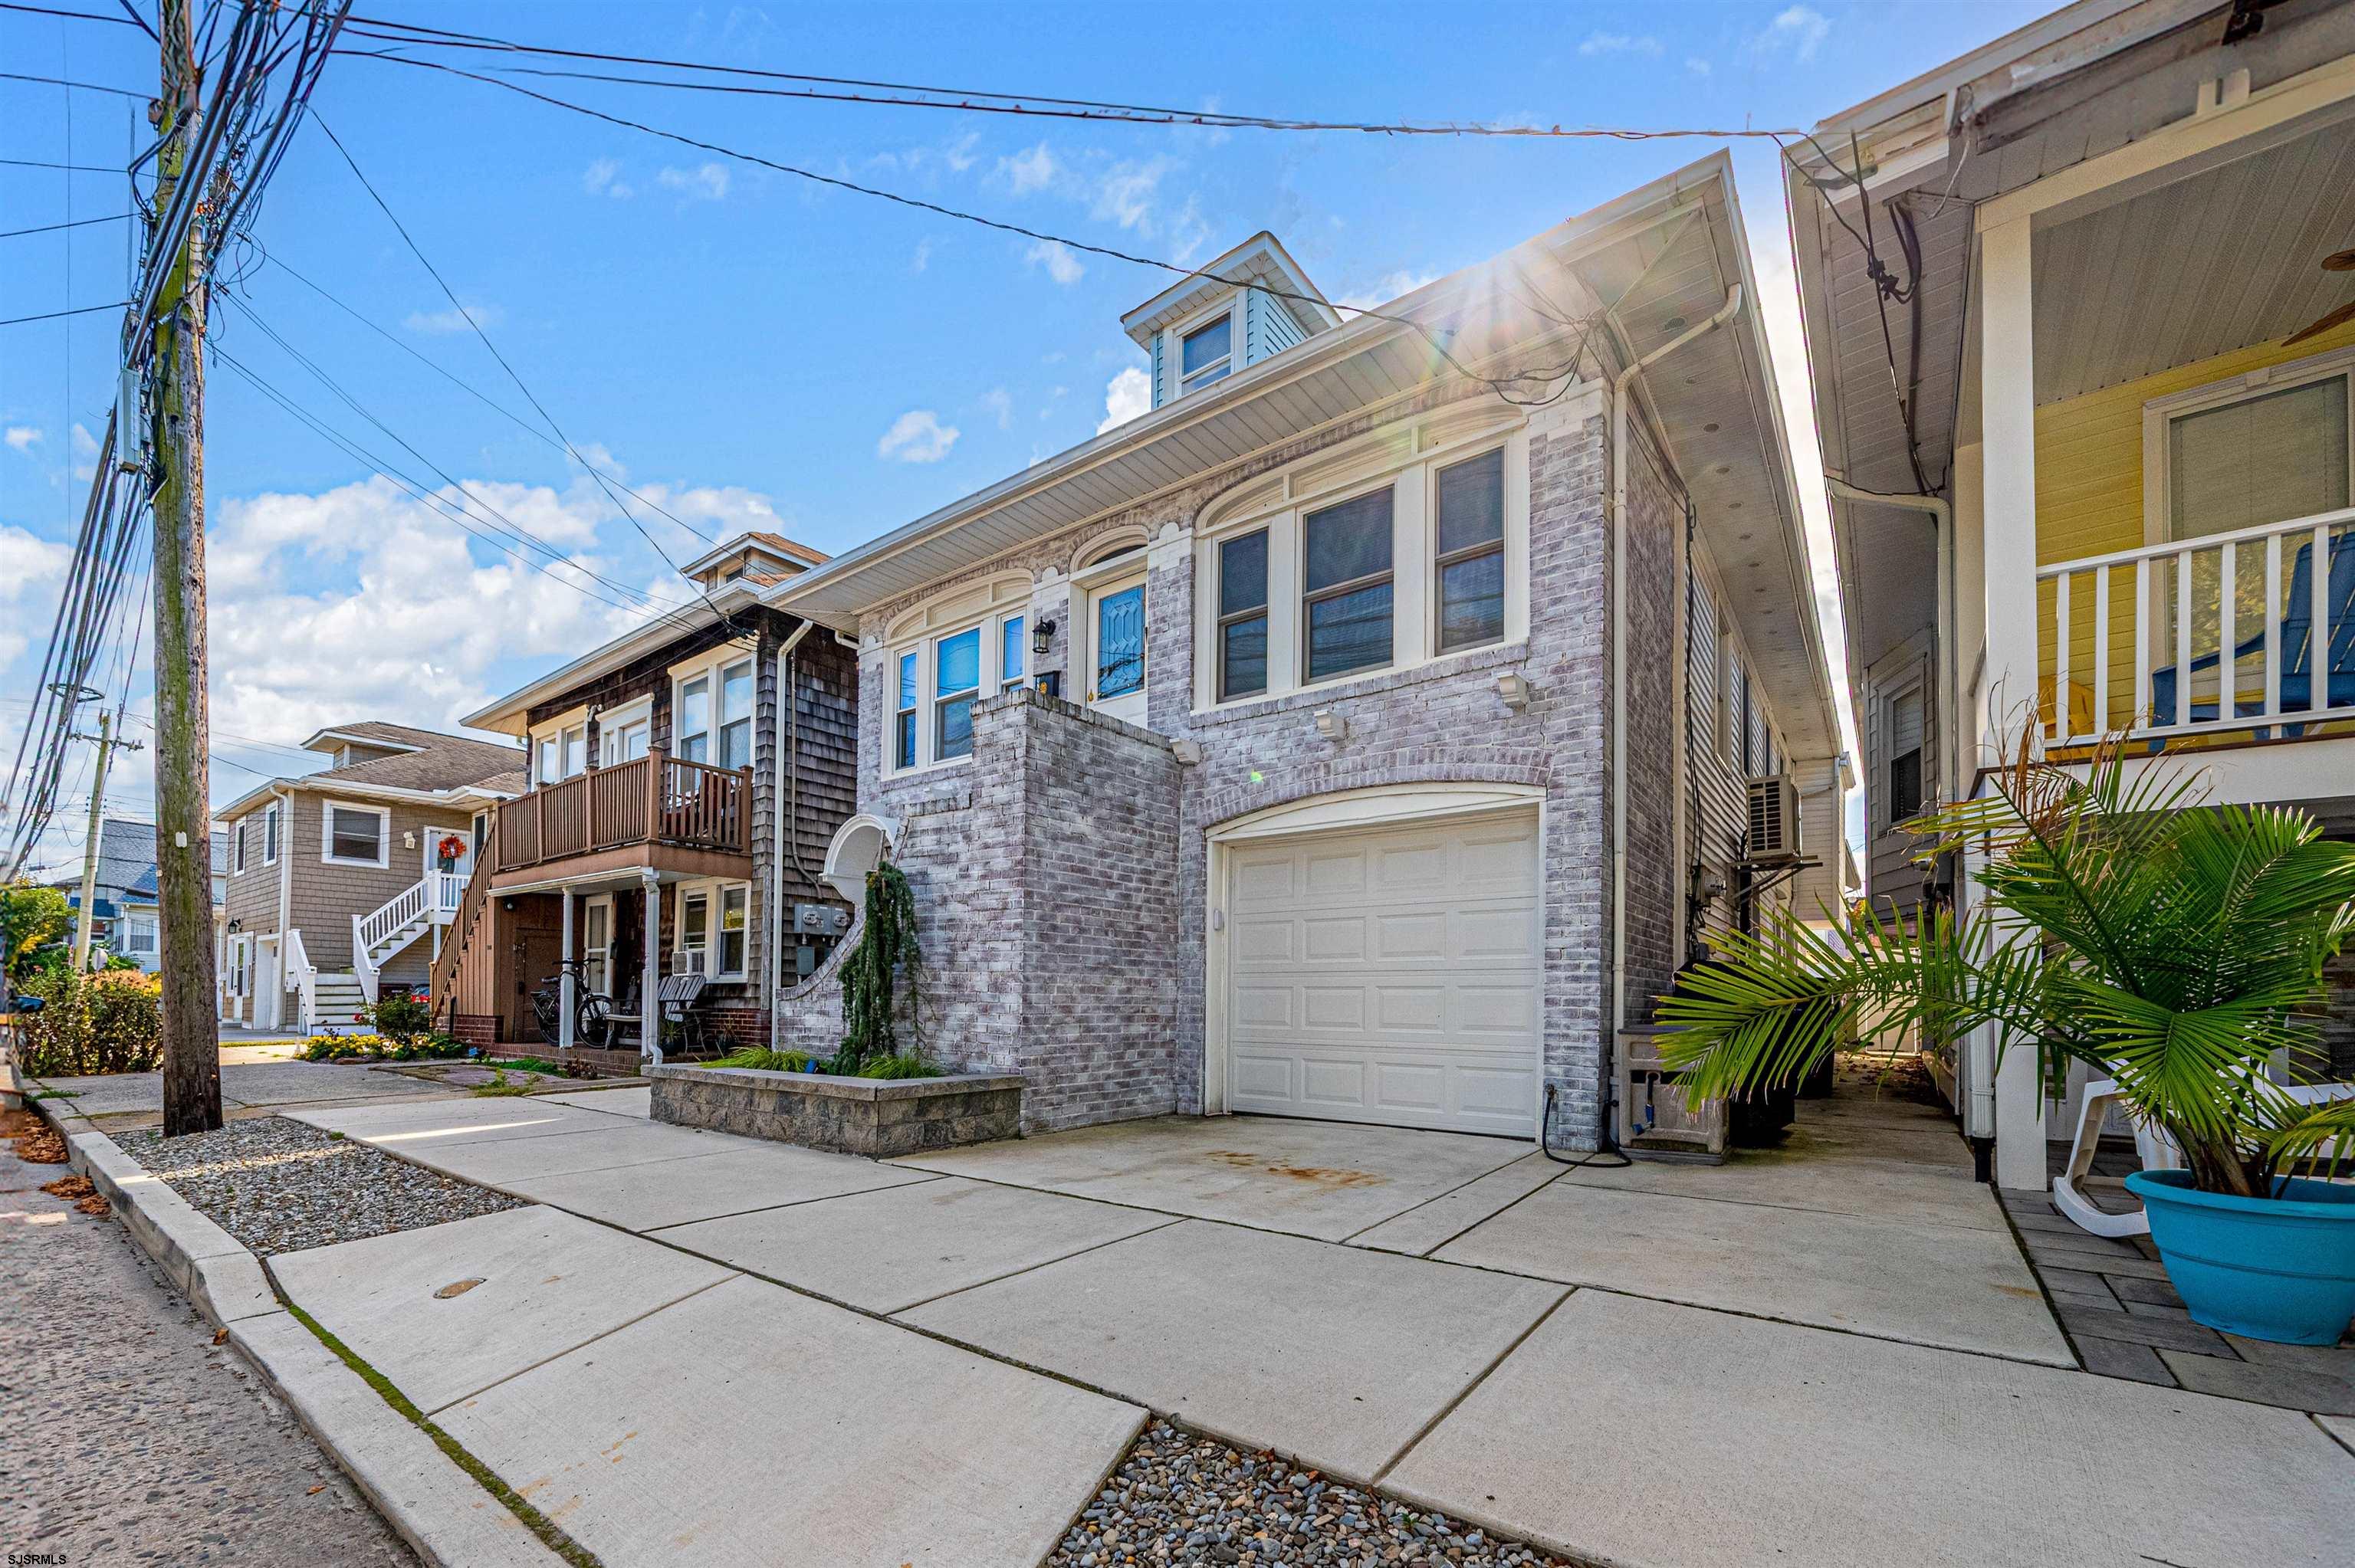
<point>1116,676</point>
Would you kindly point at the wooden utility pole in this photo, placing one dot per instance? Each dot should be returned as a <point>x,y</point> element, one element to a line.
<point>89,911</point>
<point>183,783</point>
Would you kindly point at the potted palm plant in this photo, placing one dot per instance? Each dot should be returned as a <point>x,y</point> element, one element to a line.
<point>2174,946</point>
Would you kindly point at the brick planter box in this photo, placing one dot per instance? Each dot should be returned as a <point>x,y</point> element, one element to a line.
<point>875,1117</point>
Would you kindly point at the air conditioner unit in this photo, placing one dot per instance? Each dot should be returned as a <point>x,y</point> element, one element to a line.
<point>1773,819</point>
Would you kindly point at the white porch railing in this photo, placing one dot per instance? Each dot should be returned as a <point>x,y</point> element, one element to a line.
<point>296,959</point>
<point>432,900</point>
<point>2252,629</point>
<point>447,890</point>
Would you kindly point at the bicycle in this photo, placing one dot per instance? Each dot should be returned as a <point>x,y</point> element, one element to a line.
<point>591,1008</point>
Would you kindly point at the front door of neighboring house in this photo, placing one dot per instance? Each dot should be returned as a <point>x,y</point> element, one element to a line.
<point>1114,652</point>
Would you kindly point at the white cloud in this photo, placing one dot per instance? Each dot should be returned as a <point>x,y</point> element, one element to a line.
<point>923,258</point>
<point>705,181</point>
<point>1056,258</point>
<point>959,154</point>
<point>30,568</point>
<point>917,436</point>
<point>603,178</point>
<point>1798,29</point>
<point>1000,405</point>
<point>1697,65</point>
<point>85,451</point>
<point>1127,193</point>
<point>455,319</point>
<point>23,438</point>
<point>1619,44</point>
<point>1127,395</point>
<point>1033,169</point>
<point>1401,282</point>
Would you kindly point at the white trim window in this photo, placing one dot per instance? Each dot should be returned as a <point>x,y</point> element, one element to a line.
<point>2269,447</point>
<point>712,713</point>
<point>237,838</point>
<point>967,647</point>
<point>712,934</point>
<point>139,936</point>
<point>240,949</point>
<point>353,834</point>
<point>563,753</point>
<point>1208,352</point>
<point>1356,561</point>
<point>622,734</point>
<point>270,834</point>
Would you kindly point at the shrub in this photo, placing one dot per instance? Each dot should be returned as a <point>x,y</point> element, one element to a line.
<point>765,1060</point>
<point>378,1048</point>
<point>112,1022</point>
<point>402,1017</point>
<point>31,918</point>
<point>899,1067</point>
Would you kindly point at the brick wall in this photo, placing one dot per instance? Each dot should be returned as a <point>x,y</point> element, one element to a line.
<point>973,872</point>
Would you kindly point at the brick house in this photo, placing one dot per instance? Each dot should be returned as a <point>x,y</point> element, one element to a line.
<point>677,810</point>
<point>1369,731</point>
<point>340,884</point>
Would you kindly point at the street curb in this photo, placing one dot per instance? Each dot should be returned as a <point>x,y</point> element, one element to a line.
<point>444,1514</point>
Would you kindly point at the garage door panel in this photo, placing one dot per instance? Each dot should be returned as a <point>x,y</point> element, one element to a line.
<point>1390,975</point>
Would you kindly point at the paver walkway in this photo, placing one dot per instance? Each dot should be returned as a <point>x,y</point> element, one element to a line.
<point>1447,1317</point>
<point>126,1434</point>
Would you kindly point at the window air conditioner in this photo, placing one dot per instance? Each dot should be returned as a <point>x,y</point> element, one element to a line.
<point>1773,819</point>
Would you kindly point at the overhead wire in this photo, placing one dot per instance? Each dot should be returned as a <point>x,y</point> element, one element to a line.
<point>53,228</point>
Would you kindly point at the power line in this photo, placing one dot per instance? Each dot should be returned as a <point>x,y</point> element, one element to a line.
<point>53,315</point>
<point>52,227</point>
<point>69,168</point>
<point>834,88</point>
<point>81,86</point>
<point>78,15</point>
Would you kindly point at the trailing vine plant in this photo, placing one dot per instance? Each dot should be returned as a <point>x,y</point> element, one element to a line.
<point>885,950</point>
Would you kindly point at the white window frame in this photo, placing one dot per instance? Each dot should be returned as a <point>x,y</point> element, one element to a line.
<point>610,723</point>
<point>712,665</point>
<point>714,891</point>
<point>1407,461</point>
<point>241,952</point>
<point>237,862</point>
<point>1230,307</point>
<point>271,825</point>
<point>135,926</point>
<point>383,814</point>
<point>988,608</point>
<point>2160,413</point>
<point>560,730</point>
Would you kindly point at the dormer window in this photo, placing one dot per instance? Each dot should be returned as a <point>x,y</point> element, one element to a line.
<point>1207,354</point>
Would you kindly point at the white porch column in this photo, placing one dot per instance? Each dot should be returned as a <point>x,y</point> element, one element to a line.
<point>649,1003</point>
<point>2007,489</point>
<point>566,993</point>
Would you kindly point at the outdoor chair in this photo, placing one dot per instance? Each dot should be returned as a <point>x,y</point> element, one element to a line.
<point>2297,689</point>
<point>680,1001</point>
<point>2152,1146</point>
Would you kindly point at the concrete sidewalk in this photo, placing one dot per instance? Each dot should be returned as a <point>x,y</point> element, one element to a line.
<point>735,1350</point>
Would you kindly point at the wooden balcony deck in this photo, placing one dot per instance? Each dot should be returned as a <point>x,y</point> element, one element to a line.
<point>658,810</point>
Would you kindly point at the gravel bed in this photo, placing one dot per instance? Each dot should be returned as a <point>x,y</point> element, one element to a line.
<point>1178,1497</point>
<point>281,1185</point>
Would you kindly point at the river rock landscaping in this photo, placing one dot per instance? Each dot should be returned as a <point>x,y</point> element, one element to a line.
<point>1180,1498</point>
<point>278,1185</point>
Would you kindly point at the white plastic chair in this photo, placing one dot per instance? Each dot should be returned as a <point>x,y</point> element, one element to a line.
<point>2153,1146</point>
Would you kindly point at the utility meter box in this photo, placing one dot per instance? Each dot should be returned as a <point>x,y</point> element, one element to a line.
<point>820,920</point>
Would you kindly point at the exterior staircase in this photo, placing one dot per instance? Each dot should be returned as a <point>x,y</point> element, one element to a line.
<point>377,936</point>
<point>335,1002</point>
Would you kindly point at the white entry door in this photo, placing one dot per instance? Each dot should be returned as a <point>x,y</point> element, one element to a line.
<point>1388,975</point>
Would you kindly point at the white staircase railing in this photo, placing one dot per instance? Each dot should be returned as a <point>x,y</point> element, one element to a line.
<point>448,890</point>
<point>432,900</point>
<point>304,974</point>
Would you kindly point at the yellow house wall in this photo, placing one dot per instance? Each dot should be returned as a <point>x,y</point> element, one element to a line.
<point>2089,502</point>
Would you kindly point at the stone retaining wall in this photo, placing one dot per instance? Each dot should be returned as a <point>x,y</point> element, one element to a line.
<point>878,1117</point>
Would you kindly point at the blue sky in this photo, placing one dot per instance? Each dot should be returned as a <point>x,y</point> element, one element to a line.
<point>751,350</point>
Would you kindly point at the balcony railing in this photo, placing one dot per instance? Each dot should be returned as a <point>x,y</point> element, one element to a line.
<point>2211,634</point>
<point>655,800</point>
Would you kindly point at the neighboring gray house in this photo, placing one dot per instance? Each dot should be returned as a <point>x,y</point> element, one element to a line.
<point>125,919</point>
<point>338,884</point>
<point>1370,730</point>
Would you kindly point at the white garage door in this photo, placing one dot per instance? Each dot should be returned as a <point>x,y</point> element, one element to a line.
<point>1388,975</point>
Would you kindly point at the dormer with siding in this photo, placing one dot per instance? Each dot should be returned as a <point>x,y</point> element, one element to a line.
<point>756,559</point>
<point>1249,304</point>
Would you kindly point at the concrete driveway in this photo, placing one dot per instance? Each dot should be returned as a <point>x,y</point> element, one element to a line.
<point>1652,1366</point>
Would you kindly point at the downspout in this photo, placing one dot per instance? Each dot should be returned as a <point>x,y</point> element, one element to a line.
<point>791,758</point>
<point>1619,387</point>
<point>1978,1119</point>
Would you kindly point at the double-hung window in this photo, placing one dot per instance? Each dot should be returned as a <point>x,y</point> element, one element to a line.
<point>694,943</point>
<point>956,682</point>
<point>1243,615</point>
<point>564,753</point>
<point>903,742</point>
<point>714,927</point>
<point>735,908</point>
<point>238,841</point>
<point>138,936</point>
<point>1206,354</point>
<point>269,835</point>
<point>1346,587</point>
<point>715,715</point>
<point>354,835</point>
<point>1471,558</point>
